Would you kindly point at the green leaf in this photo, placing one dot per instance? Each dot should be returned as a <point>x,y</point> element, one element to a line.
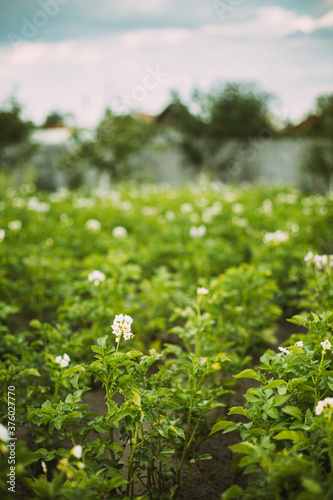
<point>136,397</point>
<point>115,482</point>
<point>167,449</point>
<point>75,380</point>
<point>275,383</point>
<point>315,317</point>
<point>293,411</point>
<point>71,371</point>
<point>265,358</point>
<point>282,389</point>
<point>230,428</point>
<point>265,441</point>
<point>278,428</point>
<point>35,323</point>
<point>298,320</point>
<point>296,349</point>
<point>273,413</point>
<point>101,341</point>
<point>295,382</point>
<point>292,435</point>
<point>221,425</point>
<point>31,371</point>
<point>232,492</point>
<point>236,410</point>
<point>177,430</point>
<point>251,397</point>
<point>134,354</point>
<point>279,400</point>
<point>163,431</point>
<point>97,349</point>
<point>311,486</point>
<point>116,448</point>
<point>248,373</point>
<point>163,458</point>
<point>244,448</point>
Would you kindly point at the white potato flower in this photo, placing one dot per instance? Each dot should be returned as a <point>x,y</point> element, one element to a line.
<point>198,232</point>
<point>326,344</point>
<point>4,435</point>
<point>15,225</point>
<point>186,208</point>
<point>309,256</point>
<point>321,261</point>
<point>276,237</point>
<point>63,361</point>
<point>119,232</point>
<point>96,277</point>
<point>77,451</point>
<point>93,225</point>
<point>326,403</point>
<point>122,326</point>
<point>202,291</point>
<point>36,205</point>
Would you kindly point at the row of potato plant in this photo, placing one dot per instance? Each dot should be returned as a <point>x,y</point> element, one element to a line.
<point>287,433</point>
<point>72,261</point>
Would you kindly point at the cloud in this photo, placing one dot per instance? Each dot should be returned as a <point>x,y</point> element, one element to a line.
<point>87,56</point>
<point>82,19</point>
<point>271,22</point>
<point>85,76</point>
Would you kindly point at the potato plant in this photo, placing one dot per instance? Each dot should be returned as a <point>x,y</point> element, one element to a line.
<point>205,271</point>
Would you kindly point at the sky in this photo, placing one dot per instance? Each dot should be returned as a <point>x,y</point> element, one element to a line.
<point>81,56</point>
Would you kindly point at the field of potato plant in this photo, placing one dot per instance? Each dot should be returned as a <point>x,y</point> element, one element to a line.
<point>128,315</point>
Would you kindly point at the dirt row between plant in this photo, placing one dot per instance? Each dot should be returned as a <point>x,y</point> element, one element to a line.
<point>210,478</point>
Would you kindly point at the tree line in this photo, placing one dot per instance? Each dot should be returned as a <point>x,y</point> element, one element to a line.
<point>233,111</point>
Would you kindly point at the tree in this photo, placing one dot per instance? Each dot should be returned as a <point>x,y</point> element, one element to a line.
<point>190,129</point>
<point>319,163</point>
<point>317,124</point>
<point>325,115</point>
<point>319,160</point>
<point>117,139</point>
<point>232,111</point>
<point>54,119</point>
<point>15,146</point>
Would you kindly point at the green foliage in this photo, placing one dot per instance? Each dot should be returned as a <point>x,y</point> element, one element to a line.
<point>319,163</point>
<point>151,420</point>
<point>288,439</point>
<point>236,111</point>
<point>204,272</point>
<point>14,135</point>
<point>54,119</point>
<point>231,111</point>
<point>244,301</point>
<point>325,112</point>
<point>117,139</point>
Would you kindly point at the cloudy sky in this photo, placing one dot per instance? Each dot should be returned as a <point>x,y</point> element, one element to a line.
<point>81,56</point>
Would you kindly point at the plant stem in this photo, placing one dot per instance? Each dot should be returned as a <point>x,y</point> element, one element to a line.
<point>130,462</point>
<point>118,345</point>
<point>197,339</point>
<point>330,440</point>
<point>185,445</point>
<point>71,436</point>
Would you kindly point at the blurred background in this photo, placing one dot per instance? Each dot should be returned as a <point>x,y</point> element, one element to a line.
<point>163,91</point>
